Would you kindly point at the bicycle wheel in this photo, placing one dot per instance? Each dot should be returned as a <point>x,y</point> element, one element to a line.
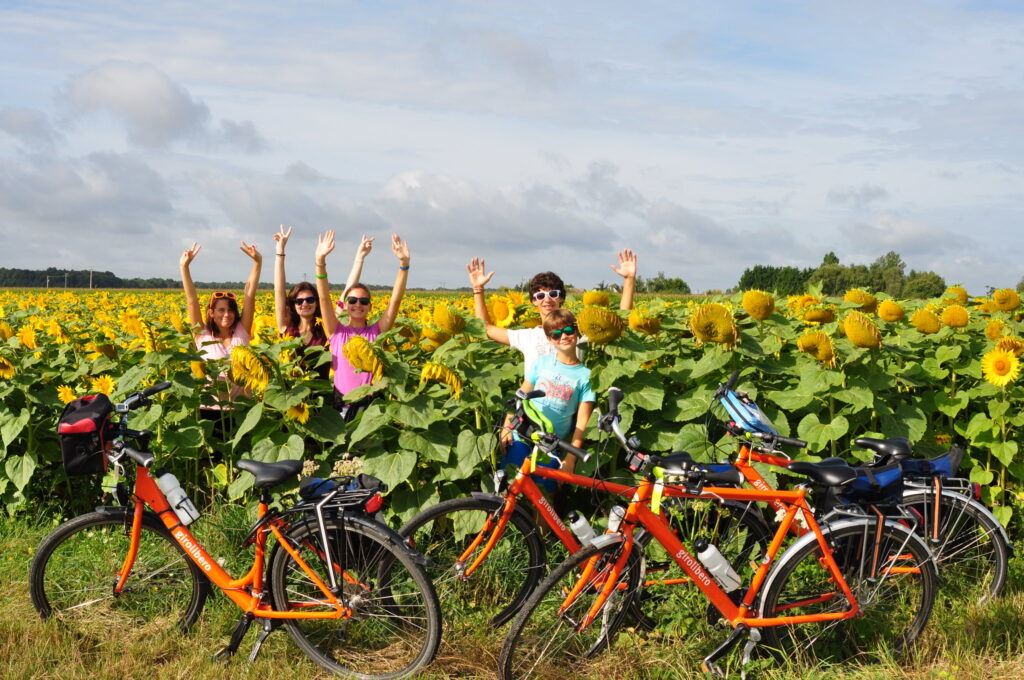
<point>548,639</point>
<point>895,600</point>
<point>501,583</point>
<point>395,625</point>
<point>669,600</point>
<point>74,571</point>
<point>970,552</point>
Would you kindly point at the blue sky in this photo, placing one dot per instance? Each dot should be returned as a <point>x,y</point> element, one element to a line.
<point>708,137</point>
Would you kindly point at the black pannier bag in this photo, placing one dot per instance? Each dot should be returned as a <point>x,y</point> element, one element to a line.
<point>85,432</point>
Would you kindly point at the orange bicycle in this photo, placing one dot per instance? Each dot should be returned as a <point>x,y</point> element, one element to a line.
<point>352,596</point>
<point>849,587</point>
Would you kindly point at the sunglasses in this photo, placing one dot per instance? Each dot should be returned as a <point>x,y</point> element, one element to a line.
<point>217,295</point>
<point>305,300</point>
<point>557,335</point>
<point>540,295</point>
<point>363,301</point>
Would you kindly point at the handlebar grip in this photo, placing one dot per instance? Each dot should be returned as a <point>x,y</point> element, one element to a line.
<point>614,399</point>
<point>791,441</point>
<point>731,382</point>
<point>143,458</point>
<point>159,387</point>
<point>579,453</point>
<point>533,394</point>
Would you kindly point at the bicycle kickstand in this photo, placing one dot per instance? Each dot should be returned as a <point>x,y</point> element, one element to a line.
<point>709,666</point>
<point>269,625</point>
<point>241,628</point>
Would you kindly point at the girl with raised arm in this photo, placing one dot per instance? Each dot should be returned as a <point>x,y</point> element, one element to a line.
<point>356,303</point>
<point>298,310</point>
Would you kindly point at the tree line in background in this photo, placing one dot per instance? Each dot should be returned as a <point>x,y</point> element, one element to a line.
<point>885,275</point>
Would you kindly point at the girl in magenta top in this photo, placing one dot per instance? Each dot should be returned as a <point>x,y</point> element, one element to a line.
<point>356,303</point>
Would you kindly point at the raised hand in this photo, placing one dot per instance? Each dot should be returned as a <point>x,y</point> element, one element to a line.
<point>627,264</point>
<point>401,250</point>
<point>365,246</point>
<point>324,246</point>
<point>281,238</point>
<point>190,254</point>
<point>250,250</point>
<point>478,276</point>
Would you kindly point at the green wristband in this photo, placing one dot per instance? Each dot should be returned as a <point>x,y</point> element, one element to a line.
<point>321,276</point>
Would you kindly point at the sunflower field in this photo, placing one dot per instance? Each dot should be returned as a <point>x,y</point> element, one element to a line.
<point>827,370</point>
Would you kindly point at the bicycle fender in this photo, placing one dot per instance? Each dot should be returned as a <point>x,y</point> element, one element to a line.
<point>390,536</point>
<point>976,505</point>
<point>498,500</point>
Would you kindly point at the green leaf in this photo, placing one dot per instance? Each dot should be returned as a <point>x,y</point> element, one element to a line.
<point>818,434</point>
<point>327,425</point>
<point>293,449</point>
<point>19,470</point>
<point>645,391</point>
<point>243,482</point>
<point>913,419</point>
<point>979,423</point>
<point>979,475</point>
<point>859,398</point>
<point>714,360</point>
<point>370,420</point>
<point>951,405</point>
<point>470,452</point>
<point>997,408</point>
<point>944,353</point>
<point>419,412</point>
<point>791,400</point>
<point>1004,451</point>
<point>685,408</point>
<point>419,443</point>
<point>13,426</point>
<point>392,468</point>
<point>282,400</point>
<point>252,418</point>
<point>1003,513</point>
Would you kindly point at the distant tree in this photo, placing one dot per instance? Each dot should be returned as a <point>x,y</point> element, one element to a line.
<point>887,274</point>
<point>782,280</point>
<point>1020,285</point>
<point>830,258</point>
<point>661,284</point>
<point>920,285</point>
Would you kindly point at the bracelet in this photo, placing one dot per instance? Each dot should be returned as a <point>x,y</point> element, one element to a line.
<point>280,254</point>
<point>478,290</point>
<point>403,268</point>
<point>321,276</point>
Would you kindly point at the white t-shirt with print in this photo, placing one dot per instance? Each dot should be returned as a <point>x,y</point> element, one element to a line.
<point>533,343</point>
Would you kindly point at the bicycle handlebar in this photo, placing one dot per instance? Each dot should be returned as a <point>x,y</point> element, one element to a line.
<point>143,458</point>
<point>578,452</point>
<point>138,399</point>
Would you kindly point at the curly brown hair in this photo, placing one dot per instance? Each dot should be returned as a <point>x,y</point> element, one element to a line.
<point>548,280</point>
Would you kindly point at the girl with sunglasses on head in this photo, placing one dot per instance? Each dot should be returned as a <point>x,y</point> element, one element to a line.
<point>357,304</point>
<point>547,293</point>
<point>223,326</point>
<point>298,311</point>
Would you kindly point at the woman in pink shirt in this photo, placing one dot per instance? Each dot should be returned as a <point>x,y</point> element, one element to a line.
<point>223,326</point>
<point>357,304</point>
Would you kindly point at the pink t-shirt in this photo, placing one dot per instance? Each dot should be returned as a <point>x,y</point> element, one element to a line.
<point>216,350</point>
<point>346,378</point>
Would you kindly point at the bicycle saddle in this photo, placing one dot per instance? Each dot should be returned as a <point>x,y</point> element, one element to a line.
<point>826,475</point>
<point>270,474</point>
<point>890,450</point>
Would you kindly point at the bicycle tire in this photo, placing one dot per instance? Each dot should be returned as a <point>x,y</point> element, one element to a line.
<point>541,643</point>
<point>895,606</point>
<point>75,569</point>
<point>737,529</point>
<point>501,582</point>
<point>395,627</point>
<point>971,554</point>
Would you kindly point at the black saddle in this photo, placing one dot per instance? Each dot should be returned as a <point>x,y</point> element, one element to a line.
<point>889,450</point>
<point>270,474</point>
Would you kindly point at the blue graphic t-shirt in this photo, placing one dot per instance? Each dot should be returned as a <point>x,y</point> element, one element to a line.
<point>565,387</point>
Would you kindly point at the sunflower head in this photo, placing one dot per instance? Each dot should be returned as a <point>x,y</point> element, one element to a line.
<point>7,369</point>
<point>1000,367</point>
<point>198,369</point>
<point>103,384</point>
<point>866,300</point>
<point>450,321</point>
<point>955,316</point>
<point>600,324</point>
<point>6,331</point>
<point>362,356</point>
<point>925,321</point>
<point>177,322</point>
<point>596,298</point>
<point>642,323</point>
<point>57,332</point>
<point>959,293</point>
<point>994,329</point>
<point>818,313</point>
<point>531,319</point>
<point>501,311</point>
<point>1006,299</point>
<point>1011,344</point>
<point>861,330</point>
<point>433,372</point>
<point>27,337</point>
<point>434,337</point>
<point>818,345</point>
<point>299,412</point>
<point>712,322</point>
<point>758,304</point>
<point>890,311</point>
<point>249,368</point>
<point>66,394</point>
<point>797,303</point>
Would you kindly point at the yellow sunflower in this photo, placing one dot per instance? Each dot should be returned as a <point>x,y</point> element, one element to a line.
<point>434,337</point>
<point>361,355</point>
<point>425,317</point>
<point>600,324</point>
<point>57,332</point>
<point>818,345</point>
<point>641,323</point>
<point>1000,367</point>
<point>177,321</point>
<point>299,412</point>
<point>959,293</point>
<point>249,368</point>
<point>103,384</point>
<point>819,314</point>
<point>6,331</point>
<point>530,320</point>
<point>66,394</point>
<point>596,298</point>
<point>27,337</point>
<point>448,319</point>
<point>1006,299</point>
<point>797,303</point>
<point>994,329</point>
<point>955,316</point>
<point>198,369</point>
<point>866,300</point>
<point>441,374</point>
<point>6,369</point>
<point>925,321</point>
<point>712,322</point>
<point>758,304</point>
<point>861,330</point>
<point>890,311</point>
<point>1011,344</point>
<point>501,311</point>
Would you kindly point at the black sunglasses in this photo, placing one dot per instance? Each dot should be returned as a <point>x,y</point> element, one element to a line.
<point>305,300</point>
<point>363,301</point>
<point>557,335</point>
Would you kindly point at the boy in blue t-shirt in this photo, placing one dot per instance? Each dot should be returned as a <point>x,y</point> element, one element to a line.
<point>568,401</point>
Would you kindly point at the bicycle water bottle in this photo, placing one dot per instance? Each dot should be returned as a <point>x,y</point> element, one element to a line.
<point>580,527</point>
<point>615,518</point>
<point>717,565</point>
<point>177,498</point>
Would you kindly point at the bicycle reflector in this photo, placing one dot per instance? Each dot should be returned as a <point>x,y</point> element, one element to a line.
<point>374,503</point>
<point>746,414</point>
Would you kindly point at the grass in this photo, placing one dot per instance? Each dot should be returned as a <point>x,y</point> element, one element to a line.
<point>961,641</point>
